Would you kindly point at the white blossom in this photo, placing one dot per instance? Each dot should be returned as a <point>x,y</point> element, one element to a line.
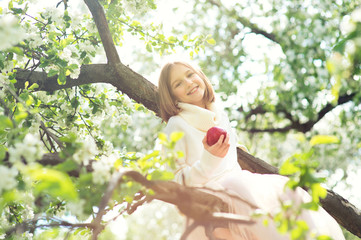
<point>35,40</point>
<point>125,119</point>
<point>108,147</point>
<point>136,7</point>
<point>102,168</point>
<point>8,66</point>
<point>87,151</point>
<point>76,208</point>
<point>8,178</point>
<point>356,15</point>
<point>27,235</point>
<point>30,148</point>
<point>65,54</point>
<point>75,73</point>
<point>10,32</point>
<point>86,46</point>
<point>53,13</point>
<point>347,26</point>
<point>27,212</point>
<point>3,80</point>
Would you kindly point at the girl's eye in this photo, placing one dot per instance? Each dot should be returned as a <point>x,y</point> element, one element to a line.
<point>177,84</point>
<point>190,75</point>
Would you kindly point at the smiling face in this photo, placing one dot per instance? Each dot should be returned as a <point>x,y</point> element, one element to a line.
<point>180,81</point>
<point>186,85</point>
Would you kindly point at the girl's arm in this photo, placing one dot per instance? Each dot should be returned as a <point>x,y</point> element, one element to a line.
<point>200,171</point>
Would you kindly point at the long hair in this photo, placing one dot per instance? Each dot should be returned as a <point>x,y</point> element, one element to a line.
<point>167,100</point>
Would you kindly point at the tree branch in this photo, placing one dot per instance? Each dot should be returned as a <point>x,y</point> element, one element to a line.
<point>120,76</point>
<point>114,182</point>
<point>295,124</point>
<point>246,23</point>
<point>33,224</point>
<point>101,22</point>
<point>345,213</point>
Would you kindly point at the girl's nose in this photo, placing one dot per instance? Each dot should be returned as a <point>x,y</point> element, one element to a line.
<point>189,81</point>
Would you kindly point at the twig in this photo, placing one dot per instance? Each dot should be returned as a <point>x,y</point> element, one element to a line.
<point>102,25</point>
<point>51,135</point>
<point>189,230</point>
<point>114,182</point>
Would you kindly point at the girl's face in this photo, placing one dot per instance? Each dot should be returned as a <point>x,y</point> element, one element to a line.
<point>186,85</point>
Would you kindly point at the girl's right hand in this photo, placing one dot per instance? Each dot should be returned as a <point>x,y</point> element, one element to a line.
<point>220,148</point>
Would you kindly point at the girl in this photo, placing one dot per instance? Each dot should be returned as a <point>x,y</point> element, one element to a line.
<point>188,104</point>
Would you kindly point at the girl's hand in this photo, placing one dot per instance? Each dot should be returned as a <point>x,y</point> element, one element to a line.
<point>220,148</point>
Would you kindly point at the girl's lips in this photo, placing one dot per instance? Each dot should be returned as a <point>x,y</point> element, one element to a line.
<point>193,90</point>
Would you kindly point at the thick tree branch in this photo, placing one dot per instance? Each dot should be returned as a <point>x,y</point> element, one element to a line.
<point>101,22</point>
<point>120,76</point>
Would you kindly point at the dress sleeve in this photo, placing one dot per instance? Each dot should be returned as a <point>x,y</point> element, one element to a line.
<point>200,171</point>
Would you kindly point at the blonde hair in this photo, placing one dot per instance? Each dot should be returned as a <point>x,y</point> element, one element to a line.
<point>167,102</point>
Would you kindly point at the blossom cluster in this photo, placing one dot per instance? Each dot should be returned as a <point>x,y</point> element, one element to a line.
<point>30,149</point>
<point>9,180</point>
<point>10,31</point>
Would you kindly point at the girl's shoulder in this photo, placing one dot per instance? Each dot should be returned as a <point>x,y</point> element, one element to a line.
<point>176,122</point>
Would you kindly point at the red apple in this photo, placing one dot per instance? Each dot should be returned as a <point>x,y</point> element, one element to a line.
<point>214,133</point>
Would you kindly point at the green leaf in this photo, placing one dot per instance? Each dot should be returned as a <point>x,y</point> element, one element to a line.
<point>172,39</point>
<point>17,10</point>
<point>289,168</point>
<point>20,116</point>
<point>52,72</point>
<point>53,182</point>
<point>62,77</point>
<point>318,192</point>
<point>67,166</point>
<point>149,47</point>
<point>2,152</point>
<point>176,136</point>
<point>33,86</point>
<point>162,137</point>
<point>323,237</point>
<point>5,122</point>
<point>211,41</point>
<point>135,23</point>
<point>340,46</point>
<point>160,175</point>
<point>324,139</point>
<point>17,50</point>
<point>180,154</point>
<point>191,54</point>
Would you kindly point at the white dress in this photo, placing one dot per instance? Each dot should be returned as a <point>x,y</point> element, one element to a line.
<point>264,191</point>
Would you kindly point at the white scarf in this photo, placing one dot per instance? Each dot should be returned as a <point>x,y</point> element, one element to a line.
<point>200,118</point>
